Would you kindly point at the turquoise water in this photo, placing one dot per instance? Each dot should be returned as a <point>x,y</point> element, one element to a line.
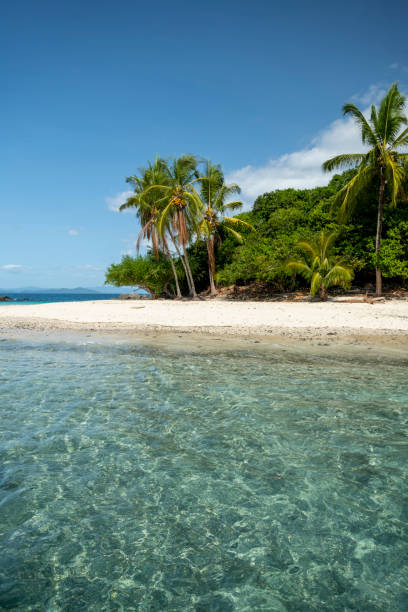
<point>48,298</point>
<point>133,479</point>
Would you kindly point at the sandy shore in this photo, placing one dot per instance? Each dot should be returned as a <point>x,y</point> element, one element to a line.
<point>216,317</point>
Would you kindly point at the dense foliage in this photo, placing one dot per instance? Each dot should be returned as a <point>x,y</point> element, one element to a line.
<point>175,201</point>
<point>182,204</point>
<point>384,164</point>
<point>281,219</point>
<point>154,275</point>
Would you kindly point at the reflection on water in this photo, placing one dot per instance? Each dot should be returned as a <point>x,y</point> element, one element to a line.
<point>137,480</point>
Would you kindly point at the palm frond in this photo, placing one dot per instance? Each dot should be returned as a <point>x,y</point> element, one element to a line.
<point>132,202</point>
<point>327,241</point>
<point>300,267</point>
<point>339,275</point>
<point>316,283</point>
<point>236,235</point>
<point>196,204</point>
<point>367,134</point>
<point>345,160</point>
<point>319,265</point>
<point>231,206</point>
<point>225,191</point>
<point>164,217</point>
<point>395,175</point>
<point>315,261</point>
<point>135,180</point>
<point>211,182</point>
<point>241,222</point>
<point>401,140</point>
<point>183,169</point>
<point>347,197</point>
<point>391,115</point>
<point>309,247</point>
<point>156,187</point>
<point>374,120</point>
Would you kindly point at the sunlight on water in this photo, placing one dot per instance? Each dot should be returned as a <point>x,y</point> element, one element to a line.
<point>133,479</point>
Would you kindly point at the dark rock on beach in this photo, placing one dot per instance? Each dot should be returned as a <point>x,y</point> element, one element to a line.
<point>5,298</point>
<point>133,296</point>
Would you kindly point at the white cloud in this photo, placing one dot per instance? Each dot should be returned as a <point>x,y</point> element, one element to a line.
<point>11,267</point>
<point>116,201</point>
<point>400,67</point>
<point>373,95</point>
<point>73,232</point>
<point>302,169</point>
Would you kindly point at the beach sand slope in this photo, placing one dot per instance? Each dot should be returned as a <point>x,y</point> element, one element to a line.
<point>235,318</point>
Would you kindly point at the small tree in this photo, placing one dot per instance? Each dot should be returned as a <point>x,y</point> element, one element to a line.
<point>154,275</point>
<point>320,267</point>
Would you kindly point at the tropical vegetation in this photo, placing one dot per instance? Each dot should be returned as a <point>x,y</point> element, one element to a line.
<point>356,227</point>
<point>154,274</point>
<point>384,164</point>
<point>148,209</point>
<point>212,204</point>
<point>320,267</point>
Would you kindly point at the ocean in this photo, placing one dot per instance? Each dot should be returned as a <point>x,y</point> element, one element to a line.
<point>47,298</point>
<point>138,478</point>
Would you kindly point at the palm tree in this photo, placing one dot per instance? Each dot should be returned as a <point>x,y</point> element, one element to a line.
<point>384,162</point>
<point>320,267</point>
<point>148,211</point>
<point>179,207</point>
<point>211,202</point>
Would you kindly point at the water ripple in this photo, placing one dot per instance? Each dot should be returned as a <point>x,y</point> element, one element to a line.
<point>132,479</point>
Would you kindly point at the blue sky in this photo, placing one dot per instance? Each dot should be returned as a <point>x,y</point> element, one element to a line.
<point>91,90</point>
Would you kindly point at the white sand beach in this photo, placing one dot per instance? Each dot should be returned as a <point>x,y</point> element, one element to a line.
<point>215,316</point>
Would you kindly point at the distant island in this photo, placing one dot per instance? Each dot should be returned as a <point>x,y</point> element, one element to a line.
<point>63,290</point>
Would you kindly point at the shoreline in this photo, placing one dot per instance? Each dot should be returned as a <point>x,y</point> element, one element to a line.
<point>209,317</point>
<point>368,349</point>
<point>322,328</point>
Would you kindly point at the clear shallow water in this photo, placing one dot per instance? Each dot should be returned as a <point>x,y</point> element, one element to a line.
<point>132,479</point>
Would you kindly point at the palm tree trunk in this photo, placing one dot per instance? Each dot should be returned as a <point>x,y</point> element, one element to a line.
<point>189,277</point>
<point>193,289</point>
<point>211,265</point>
<point>378,278</point>
<point>190,289</point>
<point>213,290</point>
<point>173,267</point>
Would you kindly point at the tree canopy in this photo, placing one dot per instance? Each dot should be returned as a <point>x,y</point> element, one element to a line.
<point>282,219</point>
<point>183,204</point>
<point>383,164</point>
